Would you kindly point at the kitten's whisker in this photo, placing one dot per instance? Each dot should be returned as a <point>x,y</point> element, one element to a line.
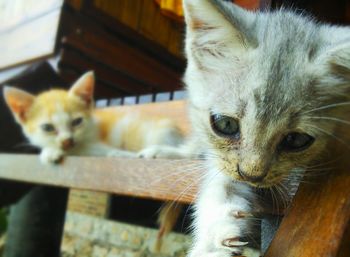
<point>210,179</point>
<point>331,119</point>
<point>327,107</point>
<point>188,170</point>
<point>282,190</point>
<point>185,216</point>
<point>273,199</point>
<point>175,175</point>
<point>323,163</point>
<point>331,135</point>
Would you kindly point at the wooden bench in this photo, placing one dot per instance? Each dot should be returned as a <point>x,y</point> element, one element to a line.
<point>316,224</point>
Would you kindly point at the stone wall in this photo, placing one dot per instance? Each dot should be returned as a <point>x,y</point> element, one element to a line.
<point>87,236</point>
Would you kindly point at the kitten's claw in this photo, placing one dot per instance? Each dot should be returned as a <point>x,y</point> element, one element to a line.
<point>233,242</point>
<point>242,214</point>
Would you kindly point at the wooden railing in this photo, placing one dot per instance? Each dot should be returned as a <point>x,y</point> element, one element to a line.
<point>316,223</point>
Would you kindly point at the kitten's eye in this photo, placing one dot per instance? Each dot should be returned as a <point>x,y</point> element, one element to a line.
<point>48,127</point>
<point>224,126</point>
<point>294,142</point>
<point>76,122</point>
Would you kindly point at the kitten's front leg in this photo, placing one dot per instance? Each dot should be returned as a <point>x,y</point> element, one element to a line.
<point>51,155</point>
<point>218,227</point>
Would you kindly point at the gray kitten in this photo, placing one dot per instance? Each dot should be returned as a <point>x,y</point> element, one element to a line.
<point>267,93</point>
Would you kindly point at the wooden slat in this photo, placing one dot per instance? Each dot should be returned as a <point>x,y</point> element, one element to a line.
<point>126,84</point>
<point>126,60</point>
<point>126,11</point>
<point>159,179</point>
<point>150,47</point>
<point>317,219</point>
<point>154,25</point>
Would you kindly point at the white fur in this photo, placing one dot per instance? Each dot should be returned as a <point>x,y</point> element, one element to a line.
<point>214,216</point>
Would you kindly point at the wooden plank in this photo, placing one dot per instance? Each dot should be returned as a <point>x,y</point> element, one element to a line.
<point>76,4</point>
<point>126,11</point>
<point>154,25</point>
<point>344,249</point>
<point>126,60</point>
<point>176,42</point>
<point>158,179</point>
<point>121,81</point>
<point>317,219</point>
<point>21,44</point>
<point>149,47</point>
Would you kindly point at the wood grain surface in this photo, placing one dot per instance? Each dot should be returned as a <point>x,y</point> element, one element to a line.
<point>316,222</point>
<point>159,179</point>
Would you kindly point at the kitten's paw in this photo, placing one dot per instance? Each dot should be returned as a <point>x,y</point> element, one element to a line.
<point>227,236</point>
<point>160,152</point>
<point>121,153</point>
<point>51,156</point>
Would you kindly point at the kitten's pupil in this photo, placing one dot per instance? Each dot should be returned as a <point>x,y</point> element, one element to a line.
<point>296,141</point>
<point>224,126</point>
<point>48,127</point>
<point>77,122</point>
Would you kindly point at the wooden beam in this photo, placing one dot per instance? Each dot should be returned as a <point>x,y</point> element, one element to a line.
<point>134,38</point>
<point>317,219</point>
<point>158,179</point>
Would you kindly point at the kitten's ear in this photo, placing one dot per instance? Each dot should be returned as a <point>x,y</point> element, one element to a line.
<point>84,87</point>
<point>18,101</point>
<point>340,60</point>
<point>216,29</point>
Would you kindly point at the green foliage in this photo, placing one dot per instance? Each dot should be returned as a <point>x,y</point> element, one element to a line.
<point>3,221</point>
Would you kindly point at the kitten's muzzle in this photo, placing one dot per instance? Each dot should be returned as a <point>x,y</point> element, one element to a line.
<point>67,143</point>
<point>250,178</point>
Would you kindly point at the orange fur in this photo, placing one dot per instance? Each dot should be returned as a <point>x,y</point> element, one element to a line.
<point>57,107</point>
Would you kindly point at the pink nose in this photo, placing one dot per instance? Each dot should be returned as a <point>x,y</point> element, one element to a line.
<point>67,143</point>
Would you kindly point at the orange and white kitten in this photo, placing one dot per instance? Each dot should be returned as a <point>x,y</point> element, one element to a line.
<point>64,122</point>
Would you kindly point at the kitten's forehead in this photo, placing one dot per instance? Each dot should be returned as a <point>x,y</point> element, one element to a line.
<point>56,103</point>
<point>287,47</point>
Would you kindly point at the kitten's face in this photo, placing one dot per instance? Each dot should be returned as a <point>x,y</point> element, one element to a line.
<point>254,82</point>
<point>57,119</point>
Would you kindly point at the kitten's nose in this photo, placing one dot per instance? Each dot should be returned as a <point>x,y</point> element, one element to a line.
<point>250,178</point>
<point>67,143</point>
